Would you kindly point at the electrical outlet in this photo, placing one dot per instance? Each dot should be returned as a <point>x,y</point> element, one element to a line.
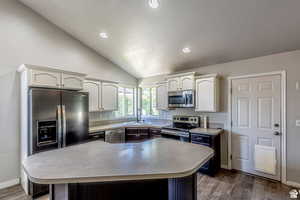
<point>298,122</point>
<point>297,85</point>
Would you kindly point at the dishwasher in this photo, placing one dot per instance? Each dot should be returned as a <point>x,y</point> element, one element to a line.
<point>115,135</point>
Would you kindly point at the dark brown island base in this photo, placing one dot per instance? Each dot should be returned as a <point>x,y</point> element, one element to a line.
<point>160,189</point>
<point>158,169</point>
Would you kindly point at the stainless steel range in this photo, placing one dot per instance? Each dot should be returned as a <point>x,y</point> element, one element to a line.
<point>179,130</point>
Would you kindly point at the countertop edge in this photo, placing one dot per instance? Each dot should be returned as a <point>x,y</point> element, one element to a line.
<point>123,126</point>
<point>118,178</point>
<point>207,132</point>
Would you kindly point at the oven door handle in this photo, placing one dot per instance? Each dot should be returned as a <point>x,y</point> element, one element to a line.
<point>175,133</point>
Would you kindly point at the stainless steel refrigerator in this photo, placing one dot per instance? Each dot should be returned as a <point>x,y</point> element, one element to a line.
<point>58,118</point>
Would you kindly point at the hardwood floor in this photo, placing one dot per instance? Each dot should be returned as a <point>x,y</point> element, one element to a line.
<point>226,185</point>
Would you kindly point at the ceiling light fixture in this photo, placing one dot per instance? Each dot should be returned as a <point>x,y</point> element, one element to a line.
<point>103,35</point>
<point>186,50</point>
<point>153,3</point>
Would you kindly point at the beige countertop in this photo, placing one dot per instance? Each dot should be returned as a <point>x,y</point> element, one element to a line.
<point>207,131</point>
<point>100,162</point>
<point>155,124</point>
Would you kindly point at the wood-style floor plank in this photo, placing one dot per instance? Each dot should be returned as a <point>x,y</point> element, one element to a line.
<point>226,185</point>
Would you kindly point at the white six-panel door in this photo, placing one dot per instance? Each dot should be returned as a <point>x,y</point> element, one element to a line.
<point>256,125</point>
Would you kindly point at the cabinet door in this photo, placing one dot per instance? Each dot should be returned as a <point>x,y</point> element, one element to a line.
<point>162,97</point>
<point>206,95</point>
<point>72,82</point>
<point>187,83</point>
<point>94,90</point>
<point>173,84</point>
<point>109,96</point>
<point>44,79</point>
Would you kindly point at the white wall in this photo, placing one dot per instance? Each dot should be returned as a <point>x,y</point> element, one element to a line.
<point>25,37</point>
<point>289,61</point>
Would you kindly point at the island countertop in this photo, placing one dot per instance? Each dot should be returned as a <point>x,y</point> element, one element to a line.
<point>101,162</point>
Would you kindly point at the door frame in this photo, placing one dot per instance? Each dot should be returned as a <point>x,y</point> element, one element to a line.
<point>283,117</point>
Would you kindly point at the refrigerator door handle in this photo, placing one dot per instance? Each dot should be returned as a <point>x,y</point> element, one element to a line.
<point>64,131</point>
<point>59,126</point>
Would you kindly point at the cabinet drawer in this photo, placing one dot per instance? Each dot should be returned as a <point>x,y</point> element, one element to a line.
<point>201,139</point>
<point>205,144</point>
<point>143,131</point>
<point>153,131</point>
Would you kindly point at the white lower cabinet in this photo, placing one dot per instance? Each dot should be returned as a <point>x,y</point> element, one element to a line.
<point>207,94</point>
<point>162,96</point>
<point>109,96</point>
<point>94,90</point>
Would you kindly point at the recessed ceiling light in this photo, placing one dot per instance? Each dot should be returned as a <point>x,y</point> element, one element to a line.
<point>153,3</point>
<point>103,35</point>
<point>186,50</point>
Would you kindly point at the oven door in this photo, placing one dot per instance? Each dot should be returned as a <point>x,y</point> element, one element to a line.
<point>175,135</point>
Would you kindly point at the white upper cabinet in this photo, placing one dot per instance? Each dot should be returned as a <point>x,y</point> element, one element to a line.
<point>70,81</point>
<point>181,82</point>
<point>94,90</point>
<point>103,96</point>
<point>109,96</point>
<point>40,78</point>
<point>187,82</point>
<point>52,78</point>
<point>173,84</point>
<point>207,97</point>
<point>162,96</point>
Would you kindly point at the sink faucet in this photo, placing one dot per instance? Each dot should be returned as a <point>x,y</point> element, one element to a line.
<point>139,115</point>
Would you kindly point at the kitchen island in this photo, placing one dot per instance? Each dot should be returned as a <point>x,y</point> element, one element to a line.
<point>157,169</point>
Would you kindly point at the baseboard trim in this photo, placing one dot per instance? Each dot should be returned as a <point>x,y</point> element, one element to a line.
<point>293,184</point>
<point>9,183</point>
<point>224,167</point>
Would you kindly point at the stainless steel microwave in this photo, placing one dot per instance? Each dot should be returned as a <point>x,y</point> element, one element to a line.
<point>181,99</point>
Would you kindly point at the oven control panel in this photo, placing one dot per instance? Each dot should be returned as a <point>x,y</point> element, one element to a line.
<point>186,119</point>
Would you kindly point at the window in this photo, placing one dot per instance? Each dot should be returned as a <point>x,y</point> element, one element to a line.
<point>149,101</point>
<point>126,102</point>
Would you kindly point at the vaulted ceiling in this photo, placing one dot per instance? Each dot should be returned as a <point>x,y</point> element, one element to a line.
<point>146,41</point>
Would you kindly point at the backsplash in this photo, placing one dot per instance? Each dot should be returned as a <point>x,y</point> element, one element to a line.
<point>213,118</point>
<point>102,116</point>
<point>106,117</point>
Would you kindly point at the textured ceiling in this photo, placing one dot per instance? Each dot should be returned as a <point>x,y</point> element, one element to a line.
<point>147,42</point>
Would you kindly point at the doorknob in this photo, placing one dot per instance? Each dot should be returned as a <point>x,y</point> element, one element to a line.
<point>276,133</point>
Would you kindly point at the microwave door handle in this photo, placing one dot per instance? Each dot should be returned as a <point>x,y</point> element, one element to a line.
<point>59,127</point>
<point>185,99</point>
